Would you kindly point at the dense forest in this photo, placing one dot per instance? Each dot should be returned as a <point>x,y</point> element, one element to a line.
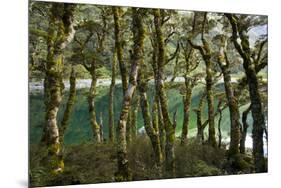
<point>125,93</point>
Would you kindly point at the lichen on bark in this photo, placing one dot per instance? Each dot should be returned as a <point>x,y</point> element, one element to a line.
<point>123,172</point>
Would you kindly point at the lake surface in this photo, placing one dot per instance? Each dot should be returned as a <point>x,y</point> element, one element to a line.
<point>79,129</point>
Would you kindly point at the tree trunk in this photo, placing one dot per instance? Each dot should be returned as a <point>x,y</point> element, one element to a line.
<point>150,128</point>
<point>119,48</point>
<point>258,117</point>
<point>210,100</point>
<point>111,99</point>
<point>169,128</point>
<point>232,102</point>
<point>129,126</point>
<point>200,130</point>
<point>186,107</point>
<point>162,131</point>
<point>243,49</point>
<point>206,55</point>
<point>101,128</point>
<point>160,122</point>
<point>244,130</point>
<point>123,173</point>
<point>219,123</point>
<point>60,33</point>
<point>46,102</point>
<point>91,102</point>
<point>134,117</point>
<point>69,105</point>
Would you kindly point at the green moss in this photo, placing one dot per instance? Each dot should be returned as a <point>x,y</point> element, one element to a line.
<point>202,169</point>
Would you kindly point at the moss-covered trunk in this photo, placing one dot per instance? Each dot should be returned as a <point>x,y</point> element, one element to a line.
<point>258,118</point>
<point>232,102</point>
<point>129,126</point>
<point>69,105</point>
<point>119,48</point>
<point>186,109</point>
<point>219,110</point>
<point>243,49</point>
<point>169,127</point>
<point>198,111</point>
<point>111,99</point>
<point>60,33</point>
<point>244,129</point>
<point>123,173</point>
<point>134,117</point>
<point>101,128</point>
<point>206,54</point>
<point>91,102</point>
<point>161,127</point>
<point>46,102</point>
<point>210,101</point>
<point>151,127</point>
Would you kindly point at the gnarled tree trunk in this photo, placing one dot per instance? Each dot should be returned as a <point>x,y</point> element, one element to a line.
<point>232,102</point>
<point>206,55</point>
<point>198,111</point>
<point>150,127</point>
<point>119,48</point>
<point>69,105</point>
<point>186,109</point>
<point>60,33</point>
<point>243,49</point>
<point>123,173</point>
<point>134,117</point>
<point>91,102</point>
<point>169,127</point>
<point>244,129</point>
<point>111,99</point>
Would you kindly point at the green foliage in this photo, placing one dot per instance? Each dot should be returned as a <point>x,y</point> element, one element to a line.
<point>91,163</point>
<point>93,47</point>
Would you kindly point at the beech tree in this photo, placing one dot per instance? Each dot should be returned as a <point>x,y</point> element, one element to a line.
<point>239,31</point>
<point>123,173</point>
<point>69,104</point>
<point>169,126</point>
<point>232,101</point>
<point>60,33</point>
<point>206,54</point>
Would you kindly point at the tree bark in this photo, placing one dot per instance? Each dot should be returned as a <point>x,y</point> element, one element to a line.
<point>252,80</point>
<point>159,115</point>
<point>101,127</point>
<point>200,129</point>
<point>69,105</point>
<point>244,130</point>
<point>210,100</point>
<point>186,109</point>
<point>119,48</point>
<point>91,102</point>
<point>232,102</point>
<point>150,128</point>
<point>123,173</point>
<point>60,33</point>
<point>134,117</point>
<point>169,127</point>
<point>111,99</point>
<point>219,123</point>
<point>206,54</point>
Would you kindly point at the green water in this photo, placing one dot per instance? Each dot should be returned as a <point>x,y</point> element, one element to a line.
<point>79,129</point>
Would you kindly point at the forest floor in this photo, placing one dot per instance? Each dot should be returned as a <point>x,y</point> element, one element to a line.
<point>90,163</point>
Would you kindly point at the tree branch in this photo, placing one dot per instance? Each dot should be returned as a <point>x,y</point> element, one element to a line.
<point>235,37</point>
<point>174,54</point>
